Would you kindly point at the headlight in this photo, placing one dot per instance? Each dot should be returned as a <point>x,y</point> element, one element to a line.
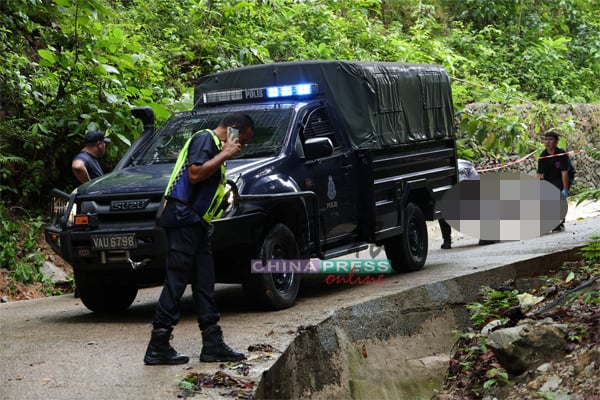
<point>71,218</point>
<point>239,183</point>
<point>59,207</point>
<point>229,198</point>
<point>230,201</point>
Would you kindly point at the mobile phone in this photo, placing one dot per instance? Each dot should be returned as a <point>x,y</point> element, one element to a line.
<point>233,131</point>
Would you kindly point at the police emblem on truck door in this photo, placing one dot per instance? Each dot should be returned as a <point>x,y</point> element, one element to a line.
<point>331,188</point>
<point>331,193</point>
<point>334,177</point>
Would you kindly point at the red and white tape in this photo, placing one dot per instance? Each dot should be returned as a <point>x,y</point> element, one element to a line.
<point>492,167</point>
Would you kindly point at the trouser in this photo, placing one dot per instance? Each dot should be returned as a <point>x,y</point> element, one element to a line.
<point>189,260</point>
<point>445,228</point>
<point>559,186</point>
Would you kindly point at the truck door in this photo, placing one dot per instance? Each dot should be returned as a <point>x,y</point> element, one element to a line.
<point>333,177</point>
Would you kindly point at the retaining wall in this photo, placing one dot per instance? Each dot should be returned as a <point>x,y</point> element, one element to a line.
<point>392,347</point>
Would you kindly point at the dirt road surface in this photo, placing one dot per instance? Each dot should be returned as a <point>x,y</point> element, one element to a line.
<point>54,348</point>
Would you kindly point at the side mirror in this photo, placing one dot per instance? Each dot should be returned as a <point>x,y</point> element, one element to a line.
<point>318,148</point>
<point>146,114</point>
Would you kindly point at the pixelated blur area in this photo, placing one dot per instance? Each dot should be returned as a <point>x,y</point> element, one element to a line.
<point>503,206</point>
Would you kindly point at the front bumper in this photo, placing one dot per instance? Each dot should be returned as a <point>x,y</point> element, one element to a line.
<point>75,247</point>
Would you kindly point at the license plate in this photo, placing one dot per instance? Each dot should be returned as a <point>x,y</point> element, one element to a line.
<point>117,241</point>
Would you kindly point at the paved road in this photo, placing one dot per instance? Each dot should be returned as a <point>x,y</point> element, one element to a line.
<point>54,348</point>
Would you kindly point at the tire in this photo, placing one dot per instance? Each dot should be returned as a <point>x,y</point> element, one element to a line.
<point>274,291</point>
<point>408,251</point>
<point>104,294</point>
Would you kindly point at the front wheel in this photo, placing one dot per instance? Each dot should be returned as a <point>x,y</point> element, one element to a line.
<point>274,291</point>
<point>104,293</point>
<point>408,251</point>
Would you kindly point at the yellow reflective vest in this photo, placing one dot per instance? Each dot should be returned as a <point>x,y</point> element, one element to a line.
<point>181,189</point>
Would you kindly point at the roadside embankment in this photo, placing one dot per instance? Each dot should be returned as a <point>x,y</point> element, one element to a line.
<point>398,345</point>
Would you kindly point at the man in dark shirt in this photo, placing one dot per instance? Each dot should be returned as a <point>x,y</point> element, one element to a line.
<point>553,166</point>
<point>194,197</point>
<point>85,164</point>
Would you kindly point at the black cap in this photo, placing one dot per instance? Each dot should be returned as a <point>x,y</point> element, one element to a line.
<point>95,136</point>
<point>551,134</point>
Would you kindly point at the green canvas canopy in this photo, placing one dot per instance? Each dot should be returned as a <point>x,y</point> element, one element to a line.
<point>381,104</point>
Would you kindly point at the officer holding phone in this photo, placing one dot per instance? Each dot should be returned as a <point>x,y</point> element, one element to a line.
<point>233,132</point>
<point>193,197</point>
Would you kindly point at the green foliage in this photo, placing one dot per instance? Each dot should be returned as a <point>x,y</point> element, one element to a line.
<point>495,376</point>
<point>19,250</point>
<point>539,395</point>
<point>69,71</point>
<point>474,372</point>
<point>593,193</point>
<point>473,367</point>
<point>591,298</point>
<point>492,134</point>
<point>576,331</point>
<point>500,130</point>
<point>591,251</point>
<point>546,48</point>
<point>493,303</point>
<point>73,65</point>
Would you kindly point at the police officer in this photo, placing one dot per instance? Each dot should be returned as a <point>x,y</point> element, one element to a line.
<point>554,167</point>
<point>193,199</point>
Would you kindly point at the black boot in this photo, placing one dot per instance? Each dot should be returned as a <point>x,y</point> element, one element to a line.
<point>447,244</point>
<point>215,349</point>
<point>560,227</point>
<point>160,351</point>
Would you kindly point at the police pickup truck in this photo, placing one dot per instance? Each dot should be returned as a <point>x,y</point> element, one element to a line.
<point>344,154</point>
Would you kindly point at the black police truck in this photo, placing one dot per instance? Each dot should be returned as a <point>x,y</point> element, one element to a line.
<point>344,154</point>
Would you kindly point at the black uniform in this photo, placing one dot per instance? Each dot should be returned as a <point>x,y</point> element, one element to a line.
<point>552,167</point>
<point>189,258</point>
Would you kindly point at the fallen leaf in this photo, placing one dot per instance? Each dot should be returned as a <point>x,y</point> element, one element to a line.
<point>261,347</point>
<point>526,300</point>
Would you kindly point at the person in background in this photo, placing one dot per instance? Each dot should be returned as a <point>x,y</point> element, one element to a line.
<point>85,164</point>
<point>194,196</point>
<point>466,170</point>
<point>554,169</point>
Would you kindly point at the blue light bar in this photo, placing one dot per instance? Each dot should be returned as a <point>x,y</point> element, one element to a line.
<point>304,89</point>
<point>272,92</point>
<point>256,94</point>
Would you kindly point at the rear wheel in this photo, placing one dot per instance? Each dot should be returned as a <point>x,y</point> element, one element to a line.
<point>408,251</point>
<point>274,291</point>
<point>103,293</point>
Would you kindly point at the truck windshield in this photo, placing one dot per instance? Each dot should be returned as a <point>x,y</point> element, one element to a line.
<point>270,127</point>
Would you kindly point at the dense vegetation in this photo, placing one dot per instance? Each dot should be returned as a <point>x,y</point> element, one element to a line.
<point>567,296</point>
<point>72,65</point>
